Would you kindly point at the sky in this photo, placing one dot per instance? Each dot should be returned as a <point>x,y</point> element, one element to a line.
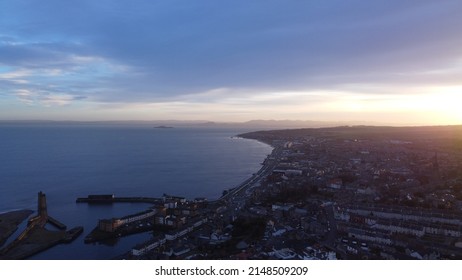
<point>385,61</point>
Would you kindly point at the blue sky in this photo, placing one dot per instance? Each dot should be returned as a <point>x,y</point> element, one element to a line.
<point>388,61</point>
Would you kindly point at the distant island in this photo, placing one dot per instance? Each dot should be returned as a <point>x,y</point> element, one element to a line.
<point>163,126</point>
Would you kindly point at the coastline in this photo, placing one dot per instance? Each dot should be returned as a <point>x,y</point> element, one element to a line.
<point>266,167</point>
<point>256,135</point>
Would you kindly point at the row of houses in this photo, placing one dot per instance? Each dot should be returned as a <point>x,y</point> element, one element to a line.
<point>418,229</point>
<point>401,213</point>
<point>401,224</point>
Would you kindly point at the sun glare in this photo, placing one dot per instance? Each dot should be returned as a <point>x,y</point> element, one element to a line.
<point>447,102</point>
<point>424,106</point>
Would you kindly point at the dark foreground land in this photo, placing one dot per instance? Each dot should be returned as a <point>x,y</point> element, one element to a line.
<point>9,223</point>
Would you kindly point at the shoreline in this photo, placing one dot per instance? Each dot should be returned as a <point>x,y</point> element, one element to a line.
<point>256,176</point>
<point>252,136</point>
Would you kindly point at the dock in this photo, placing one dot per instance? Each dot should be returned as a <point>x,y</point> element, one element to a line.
<point>56,223</point>
<point>72,234</point>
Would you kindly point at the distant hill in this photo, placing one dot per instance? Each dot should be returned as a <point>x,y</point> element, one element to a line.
<point>248,125</point>
<point>291,123</point>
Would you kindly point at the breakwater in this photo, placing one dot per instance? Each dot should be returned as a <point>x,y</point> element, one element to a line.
<point>112,199</point>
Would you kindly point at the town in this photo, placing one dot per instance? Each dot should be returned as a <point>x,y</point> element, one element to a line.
<point>328,193</point>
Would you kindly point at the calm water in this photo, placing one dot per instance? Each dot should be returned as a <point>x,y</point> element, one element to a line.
<point>66,162</point>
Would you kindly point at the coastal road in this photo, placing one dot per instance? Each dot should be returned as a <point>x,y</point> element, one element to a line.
<point>263,172</point>
<point>236,198</point>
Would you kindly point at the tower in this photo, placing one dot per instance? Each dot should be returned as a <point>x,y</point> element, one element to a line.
<point>42,205</point>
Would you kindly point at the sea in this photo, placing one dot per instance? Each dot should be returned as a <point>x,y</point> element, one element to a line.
<point>70,161</point>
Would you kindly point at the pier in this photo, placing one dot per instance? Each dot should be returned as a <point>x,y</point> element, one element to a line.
<point>56,223</point>
<point>110,198</point>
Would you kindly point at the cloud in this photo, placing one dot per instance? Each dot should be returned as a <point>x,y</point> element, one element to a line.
<point>231,52</point>
<point>45,98</point>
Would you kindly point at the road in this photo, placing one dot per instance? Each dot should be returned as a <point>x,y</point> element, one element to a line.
<point>256,177</point>
<point>236,198</point>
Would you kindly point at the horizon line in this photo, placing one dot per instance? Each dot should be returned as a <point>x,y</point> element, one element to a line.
<point>264,122</point>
